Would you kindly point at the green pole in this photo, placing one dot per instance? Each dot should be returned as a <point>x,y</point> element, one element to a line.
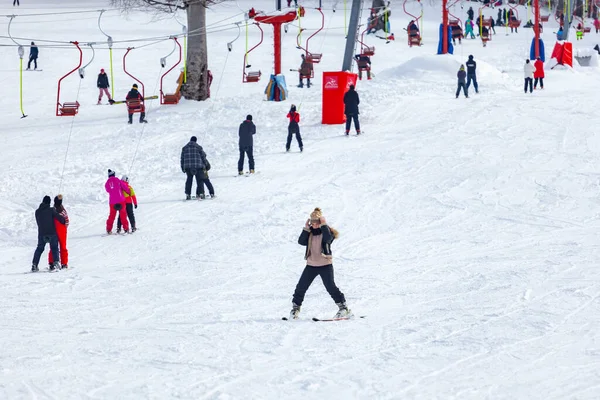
<point>21,53</point>
<point>345,20</point>
<point>185,59</point>
<point>112,75</point>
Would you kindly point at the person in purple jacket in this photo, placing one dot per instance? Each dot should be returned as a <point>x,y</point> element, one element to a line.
<point>115,188</point>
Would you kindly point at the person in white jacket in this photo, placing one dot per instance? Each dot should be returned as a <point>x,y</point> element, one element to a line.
<point>528,71</point>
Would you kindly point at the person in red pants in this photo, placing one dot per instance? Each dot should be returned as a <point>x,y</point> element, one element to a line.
<point>115,188</point>
<point>61,232</point>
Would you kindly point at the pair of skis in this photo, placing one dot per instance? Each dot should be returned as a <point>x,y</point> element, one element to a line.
<point>125,101</point>
<point>329,319</point>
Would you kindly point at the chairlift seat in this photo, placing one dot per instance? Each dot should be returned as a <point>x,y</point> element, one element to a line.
<point>453,22</point>
<point>544,18</point>
<point>171,98</point>
<point>68,108</point>
<point>135,106</point>
<point>368,51</point>
<point>314,58</point>
<point>414,40</point>
<point>514,23</point>
<point>252,76</point>
<point>587,29</point>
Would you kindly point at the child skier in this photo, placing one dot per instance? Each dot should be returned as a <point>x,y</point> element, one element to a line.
<point>293,128</point>
<point>61,233</point>
<point>115,188</point>
<point>317,236</point>
<point>462,76</point>
<point>130,204</point>
<point>135,95</point>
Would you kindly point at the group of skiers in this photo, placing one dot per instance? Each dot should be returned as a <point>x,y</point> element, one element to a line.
<point>533,74</point>
<point>52,225</point>
<point>121,200</point>
<point>465,78</point>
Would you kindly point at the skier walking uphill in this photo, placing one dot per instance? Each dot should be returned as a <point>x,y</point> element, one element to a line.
<point>538,75</point>
<point>135,95</point>
<point>130,204</point>
<point>528,70</point>
<point>44,217</point>
<point>115,188</point>
<point>317,236</point>
<point>293,128</point>
<point>195,164</point>
<point>103,86</point>
<point>472,74</point>
<point>33,56</point>
<point>461,75</point>
<point>351,102</point>
<point>61,233</point>
<point>246,144</point>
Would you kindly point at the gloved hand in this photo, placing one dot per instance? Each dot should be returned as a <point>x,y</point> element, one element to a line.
<point>135,206</point>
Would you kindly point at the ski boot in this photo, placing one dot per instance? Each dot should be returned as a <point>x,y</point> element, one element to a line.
<point>108,232</point>
<point>212,196</point>
<point>64,266</point>
<point>118,230</point>
<point>240,172</point>
<point>201,196</point>
<point>295,311</point>
<point>343,312</point>
<point>126,231</point>
<point>188,197</point>
<point>133,229</point>
<point>34,268</point>
<point>143,121</point>
<point>251,171</point>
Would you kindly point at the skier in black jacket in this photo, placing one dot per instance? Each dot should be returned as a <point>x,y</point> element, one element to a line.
<point>351,102</point>
<point>103,86</point>
<point>45,216</point>
<point>135,95</point>
<point>246,144</point>
<point>194,164</point>
<point>33,56</point>
<point>471,74</point>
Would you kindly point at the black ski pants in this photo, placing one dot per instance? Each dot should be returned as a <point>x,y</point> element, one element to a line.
<point>16,2</point>
<point>42,240</point>
<point>246,150</point>
<point>349,119</point>
<point>472,78</point>
<point>209,186</point>
<point>199,174</point>
<point>291,131</point>
<point>464,88</point>
<point>535,83</point>
<point>528,83</point>
<point>142,117</point>
<point>130,215</point>
<point>308,276</point>
<point>34,59</point>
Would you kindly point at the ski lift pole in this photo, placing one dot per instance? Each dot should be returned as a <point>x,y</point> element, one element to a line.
<point>21,52</point>
<point>299,25</point>
<point>82,69</point>
<point>184,54</point>
<point>109,40</point>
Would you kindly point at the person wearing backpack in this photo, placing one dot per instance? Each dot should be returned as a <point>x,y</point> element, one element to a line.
<point>293,128</point>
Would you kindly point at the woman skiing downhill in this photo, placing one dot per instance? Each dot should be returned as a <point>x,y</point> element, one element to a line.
<point>61,233</point>
<point>317,236</point>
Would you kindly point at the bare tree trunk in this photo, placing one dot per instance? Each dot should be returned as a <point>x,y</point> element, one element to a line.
<point>196,87</point>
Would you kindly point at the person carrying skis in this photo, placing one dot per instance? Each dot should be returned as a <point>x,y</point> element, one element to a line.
<point>192,164</point>
<point>116,201</point>
<point>317,237</point>
<point>528,70</point>
<point>471,73</point>
<point>364,64</point>
<point>130,204</point>
<point>33,56</point>
<point>103,86</point>
<point>136,97</point>
<point>461,75</point>
<point>305,71</point>
<point>538,75</point>
<point>351,102</point>
<point>293,128</point>
<point>44,217</point>
<point>246,143</point>
<point>61,233</point>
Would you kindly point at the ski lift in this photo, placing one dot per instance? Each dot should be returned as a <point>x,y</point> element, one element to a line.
<point>133,106</point>
<point>82,69</point>
<point>171,98</point>
<point>514,21</point>
<point>125,69</point>
<point>109,41</point>
<point>364,49</point>
<point>414,37</point>
<point>252,76</point>
<point>314,58</point>
<point>70,108</point>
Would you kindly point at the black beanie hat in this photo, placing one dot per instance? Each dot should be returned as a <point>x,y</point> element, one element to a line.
<point>58,200</point>
<point>248,117</point>
<point>111,173</point>
<point>46,200</point>
<point>193,139</point>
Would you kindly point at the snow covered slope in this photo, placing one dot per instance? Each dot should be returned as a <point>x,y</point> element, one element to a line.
<point>468,227</point>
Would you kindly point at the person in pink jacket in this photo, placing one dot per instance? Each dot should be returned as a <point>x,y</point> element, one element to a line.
<point>115,188</point>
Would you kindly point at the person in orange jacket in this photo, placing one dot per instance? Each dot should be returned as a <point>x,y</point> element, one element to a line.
<point>61,232</point>
<point>538,74</point>
<point>293,128</point>
<point>130,204</point>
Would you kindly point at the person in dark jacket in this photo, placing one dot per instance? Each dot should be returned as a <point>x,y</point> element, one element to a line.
<point>293,128</point>
<point>471,74</point>
<point>305,71</point>
<point>461,75</point>
<point>135,95</point>
<point>193,165</point>
<point>351,102</point>
<point>470,13</point>
<point>317,236</point>
<point>103,86</point>
<point>33,56</point>
<point>44,217</point>
<point>364,64</point>
<point>246,144</point>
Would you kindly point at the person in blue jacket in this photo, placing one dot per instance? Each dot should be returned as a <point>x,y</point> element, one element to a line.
<point>472,74</point>
<point>559,34</point>
<point>33,56</point>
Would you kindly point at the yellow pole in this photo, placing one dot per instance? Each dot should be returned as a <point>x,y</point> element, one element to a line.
<point>528,10</point>
<point>299,25</point>
<point>21,86</point>
<point>185,59</point>
<point>112,75</point>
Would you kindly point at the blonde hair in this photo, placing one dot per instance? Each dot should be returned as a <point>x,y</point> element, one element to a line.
<point>317,214</point>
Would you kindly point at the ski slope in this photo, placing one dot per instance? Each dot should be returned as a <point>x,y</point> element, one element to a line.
<point>469,227</point>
